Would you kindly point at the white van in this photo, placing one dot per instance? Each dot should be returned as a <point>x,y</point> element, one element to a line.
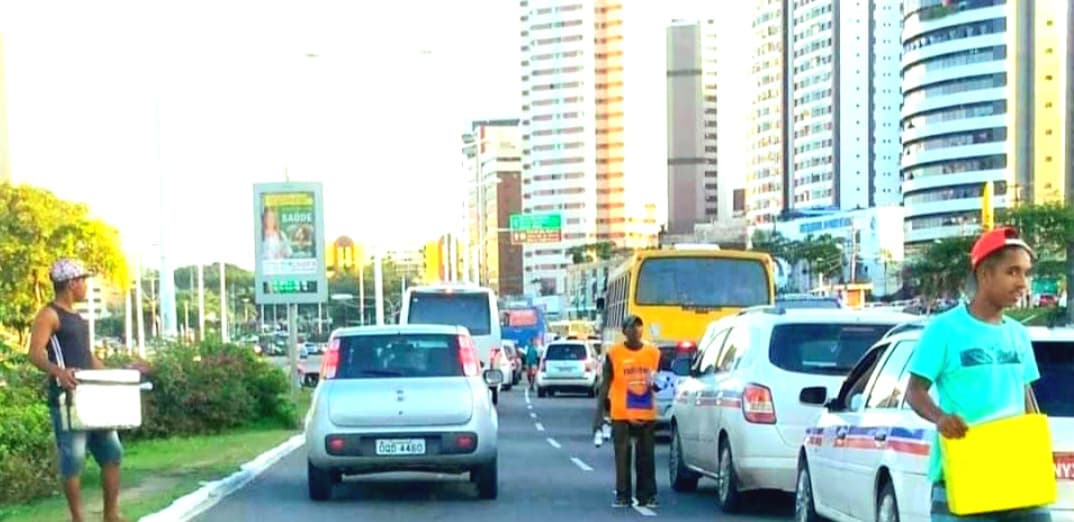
<point>471,307</point>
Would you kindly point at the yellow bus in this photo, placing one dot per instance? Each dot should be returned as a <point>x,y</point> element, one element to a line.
<point>677,292</point>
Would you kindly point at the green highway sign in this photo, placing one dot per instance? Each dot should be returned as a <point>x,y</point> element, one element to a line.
<point>536,228</point>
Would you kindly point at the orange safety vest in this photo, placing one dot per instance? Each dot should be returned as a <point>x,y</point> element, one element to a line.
<point>631,397</point>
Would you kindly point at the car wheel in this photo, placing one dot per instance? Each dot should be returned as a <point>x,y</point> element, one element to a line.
<point>507,386</point>
<point>682,478</point>
<point>487,480</point>
<point>887,508</point>
<point>727,494</point>
<point>541,393</point>
<point>592,392</point>
<point>805,508</point>
<point>320,482</point>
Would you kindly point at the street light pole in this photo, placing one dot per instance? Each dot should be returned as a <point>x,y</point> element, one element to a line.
<point>378,286</point>
<point>223,304</point>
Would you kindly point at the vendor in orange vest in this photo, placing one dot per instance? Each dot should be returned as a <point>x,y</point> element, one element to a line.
<point>628,389</point>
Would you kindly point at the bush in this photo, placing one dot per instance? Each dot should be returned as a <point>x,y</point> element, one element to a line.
<point>209,388</point>
<point>27,450</point>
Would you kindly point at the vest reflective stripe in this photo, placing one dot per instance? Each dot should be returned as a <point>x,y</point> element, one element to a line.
<point>631,397</point>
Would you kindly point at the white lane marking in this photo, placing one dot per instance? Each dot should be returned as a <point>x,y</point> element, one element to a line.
<point>527,396</point>
<point>540,427</point>
<point>529,406</point>
<point>645,511</point>
<point>578,462</point>
<point>533,415</point>
<point>553,443</point>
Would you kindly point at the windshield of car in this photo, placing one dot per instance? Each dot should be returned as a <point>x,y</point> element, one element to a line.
<point>1054,391</point>
<point>394,356</point>
<point>822,348</point>
<point>566,352</point>
<point>466,309</point>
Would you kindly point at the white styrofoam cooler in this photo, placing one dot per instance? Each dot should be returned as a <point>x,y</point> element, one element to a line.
<point>104,400</point>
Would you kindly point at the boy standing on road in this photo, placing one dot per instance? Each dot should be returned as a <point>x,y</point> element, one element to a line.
<point>980,361</point>
<point>59,321</point>
<point>628,387</point>
<point>533,358</point>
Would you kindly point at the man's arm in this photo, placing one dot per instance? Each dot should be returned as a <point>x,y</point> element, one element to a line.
<point>45,324</point>
<point>602,395</point>
<point>951,426</point>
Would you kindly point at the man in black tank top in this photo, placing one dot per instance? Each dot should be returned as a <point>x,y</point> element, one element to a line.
<point>59,321</point>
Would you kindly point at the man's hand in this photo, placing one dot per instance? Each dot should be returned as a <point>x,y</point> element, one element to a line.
<point>66,377</point>
<point>952,426</point>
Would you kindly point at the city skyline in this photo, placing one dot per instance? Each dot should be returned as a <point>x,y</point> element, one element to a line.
<point>220,102</point>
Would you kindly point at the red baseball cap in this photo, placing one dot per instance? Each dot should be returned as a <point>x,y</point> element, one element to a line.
<point>995,240</point>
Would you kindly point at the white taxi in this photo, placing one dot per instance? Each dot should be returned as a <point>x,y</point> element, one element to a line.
<point>867,456</point>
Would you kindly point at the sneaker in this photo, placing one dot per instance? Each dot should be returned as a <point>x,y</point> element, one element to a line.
<point>622,503</point>
<point>597,439</point>
<point>606,431</point>
<point>651,504</point>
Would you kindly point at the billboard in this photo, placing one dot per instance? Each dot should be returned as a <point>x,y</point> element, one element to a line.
<point>289,243</point>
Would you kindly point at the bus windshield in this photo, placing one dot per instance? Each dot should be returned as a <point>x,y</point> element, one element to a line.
<point>702,282</point>
<point>467,309</point>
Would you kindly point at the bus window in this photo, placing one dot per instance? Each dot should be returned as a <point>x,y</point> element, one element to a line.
<point>702,282</point>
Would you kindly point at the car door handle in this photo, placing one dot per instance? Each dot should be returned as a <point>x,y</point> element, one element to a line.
<point>841,435</point>
<point>880,436</point>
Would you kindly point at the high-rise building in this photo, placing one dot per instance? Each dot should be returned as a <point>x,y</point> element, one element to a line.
<point>492,154</point>
<point>5,152</point>
<point>692,162</point>
<point>593,138</point>
<point>825,111</point>
<point>984,87</point>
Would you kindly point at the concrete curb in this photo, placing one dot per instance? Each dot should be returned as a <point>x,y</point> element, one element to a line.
<point>187,507</point>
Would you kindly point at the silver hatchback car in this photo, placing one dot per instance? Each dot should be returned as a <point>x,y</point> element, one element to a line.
<point>402,398</point>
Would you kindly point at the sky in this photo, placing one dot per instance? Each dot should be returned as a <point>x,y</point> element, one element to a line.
<point>108,98</point>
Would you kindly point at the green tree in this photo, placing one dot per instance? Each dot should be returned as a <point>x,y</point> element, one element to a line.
<point>941,270</point>
<point>36,228</point>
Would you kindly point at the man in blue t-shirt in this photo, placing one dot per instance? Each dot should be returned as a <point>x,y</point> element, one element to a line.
<point>980,361</point>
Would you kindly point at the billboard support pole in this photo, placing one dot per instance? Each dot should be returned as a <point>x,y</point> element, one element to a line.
<point>292,346</point>
<point>378,286</point>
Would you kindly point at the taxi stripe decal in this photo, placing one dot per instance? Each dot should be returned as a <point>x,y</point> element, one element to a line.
<point>898,439</point>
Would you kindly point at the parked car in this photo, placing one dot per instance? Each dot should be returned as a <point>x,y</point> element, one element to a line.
<point>402,398</point>
<point>867,454</point>
<point>515,356</point>
<point>738,418</point>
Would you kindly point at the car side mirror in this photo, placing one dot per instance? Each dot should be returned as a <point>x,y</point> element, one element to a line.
<point>856,402</point>
<point>493,377</point>
<point>813,395</point>
<point>681,367</point>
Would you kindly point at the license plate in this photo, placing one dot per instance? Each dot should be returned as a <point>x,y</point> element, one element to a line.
<point>400,446</point>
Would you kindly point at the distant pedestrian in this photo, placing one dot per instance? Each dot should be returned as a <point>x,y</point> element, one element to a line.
<point>627,391</point>
<point>980,361</point>
<point>533,359</point>
<point>58,327</point>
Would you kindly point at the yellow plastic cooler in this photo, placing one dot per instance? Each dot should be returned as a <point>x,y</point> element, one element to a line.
<point>1000,465</point>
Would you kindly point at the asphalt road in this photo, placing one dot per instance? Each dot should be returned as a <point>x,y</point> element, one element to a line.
<point>549,470</point>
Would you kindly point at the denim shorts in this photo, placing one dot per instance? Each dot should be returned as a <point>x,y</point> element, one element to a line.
<point>72,445</point>
<point>941,511</point>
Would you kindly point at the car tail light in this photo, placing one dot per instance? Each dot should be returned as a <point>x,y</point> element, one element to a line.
<point>468,355</point>
<point>686,347</point>
<point>330,361</point>
<point>590,365</point>
<point>757,405</point>
<point>465,442</point>
<point>336,444</point>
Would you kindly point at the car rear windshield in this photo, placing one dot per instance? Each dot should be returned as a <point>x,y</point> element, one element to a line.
<point>565,352</point>
<point>402,355</point>
<point>1054,391</point>
<point>823,304</point>
<point>467,309</point>
<point>830,349</point>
